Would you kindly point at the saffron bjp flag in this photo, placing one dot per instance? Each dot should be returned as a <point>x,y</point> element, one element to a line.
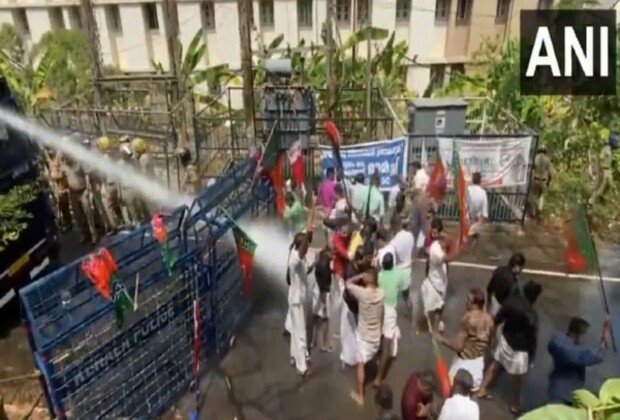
<point>580,252</point>
<point>460,188</point>
<point>277,180</point>
<point>437,184</point>
<point>246,248</point>
<point>335,140</point>
<point>296,162</point>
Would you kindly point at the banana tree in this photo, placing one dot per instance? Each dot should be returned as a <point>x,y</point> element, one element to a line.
<point>586,405</point>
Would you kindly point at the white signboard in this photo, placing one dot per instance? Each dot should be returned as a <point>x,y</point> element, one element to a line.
<point>502,161</point>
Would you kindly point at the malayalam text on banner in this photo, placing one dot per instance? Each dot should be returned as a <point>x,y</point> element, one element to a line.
<point>389,157</point>
<point>501,161</point>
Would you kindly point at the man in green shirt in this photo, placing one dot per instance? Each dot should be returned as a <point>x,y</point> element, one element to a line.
<point>374,201</point>
<point>295,214</point>
<point>392,281</point>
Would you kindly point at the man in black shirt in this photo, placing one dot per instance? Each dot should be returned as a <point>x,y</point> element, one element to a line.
<point>517,343</point>
<point>504,282</point>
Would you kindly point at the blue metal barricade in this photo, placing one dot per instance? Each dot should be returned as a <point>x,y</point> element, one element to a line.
<point>92,369</point>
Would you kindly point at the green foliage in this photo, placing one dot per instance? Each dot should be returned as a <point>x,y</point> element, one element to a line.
<point>13,215</point>
<point>70,64</point>
<point>572,127</point>
<point>604,407</point>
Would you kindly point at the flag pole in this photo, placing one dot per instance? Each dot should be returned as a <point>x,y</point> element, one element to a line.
<point>600,277</point>
<point>262,155</point>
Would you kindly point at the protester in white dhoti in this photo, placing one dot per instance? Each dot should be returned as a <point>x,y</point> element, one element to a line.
<point>348,321</point>
<point>392,281</point>
<point>516,346</point>
<point>435,285</point>
<point>320,300</point>
<point>341,257</point>
<point>298,270</point>
<point>478,206</point>
<point>504,282</point>
<point>369,296</point>
<point>472,340</point>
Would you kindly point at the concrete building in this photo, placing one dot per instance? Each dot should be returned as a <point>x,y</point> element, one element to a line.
<point>441,34</point>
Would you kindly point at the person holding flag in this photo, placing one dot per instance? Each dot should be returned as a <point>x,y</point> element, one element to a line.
<point>435,285</point>
<point>472,341</point>
<point>478,206</point>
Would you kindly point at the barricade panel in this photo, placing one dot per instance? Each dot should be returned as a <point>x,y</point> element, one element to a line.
<point>93,369</point>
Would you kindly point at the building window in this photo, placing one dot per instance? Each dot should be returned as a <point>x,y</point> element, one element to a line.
<point>266,13</point>
<point>343,11</point>
<point>364,11</point>
<point>463,10</point>
<point>113,16</point>
<point>150,16</point>
<point>56,20</point>
<point>403,10</point>
<point>438,72</point>
<point>503,8</point>
<point>207,10</point>
<point>20,19</point>
<point>304,12</point>
<point>442,8</point>
<point>75,17</point>
<point>545,4</point>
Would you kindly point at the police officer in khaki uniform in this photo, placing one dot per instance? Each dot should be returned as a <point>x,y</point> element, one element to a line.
<point>604,178</point>
<point>60,189</point>
<point>79,199</point>
<point>191,184</point>
<point>542,171</point>
<point>94,185</point>
<point>110,191</point>
<point>136,206</point>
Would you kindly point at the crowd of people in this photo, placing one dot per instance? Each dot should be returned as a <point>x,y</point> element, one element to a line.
<point>365,270</point>
<point>96,205</point>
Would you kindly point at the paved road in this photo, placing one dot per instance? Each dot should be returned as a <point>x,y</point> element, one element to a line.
<point>264,386</point>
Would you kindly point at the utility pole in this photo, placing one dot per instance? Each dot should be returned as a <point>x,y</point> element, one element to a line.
<point>244,9</point>
<point>329,68</point>
<point>94,48</point>
<point>171,26</point>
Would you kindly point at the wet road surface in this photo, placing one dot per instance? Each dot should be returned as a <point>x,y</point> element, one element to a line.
<point>264,386</point>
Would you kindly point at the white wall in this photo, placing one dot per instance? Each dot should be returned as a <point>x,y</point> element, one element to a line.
<point>134,49</point>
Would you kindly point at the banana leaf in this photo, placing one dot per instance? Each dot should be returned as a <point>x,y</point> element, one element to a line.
<point>556,412</point>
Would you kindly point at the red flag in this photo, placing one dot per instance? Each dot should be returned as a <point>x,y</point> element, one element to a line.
<point>159,228</point>
<point>94,269</point>
<point>196,337</point>
<point>437,184</point>
<point>277,179</point>
<point>333,135</point>
<point>461,196</point>
<point>296,160</point>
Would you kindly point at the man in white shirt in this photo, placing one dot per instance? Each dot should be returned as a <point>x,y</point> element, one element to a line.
<point>478,206</point>
<point>398,188</point>
<point>298,274</point>
<point>421,178</point>
<point>460,406</point>
<point>383,247</point>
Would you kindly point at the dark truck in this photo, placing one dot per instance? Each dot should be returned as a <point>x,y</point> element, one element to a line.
<point>24,258</point>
